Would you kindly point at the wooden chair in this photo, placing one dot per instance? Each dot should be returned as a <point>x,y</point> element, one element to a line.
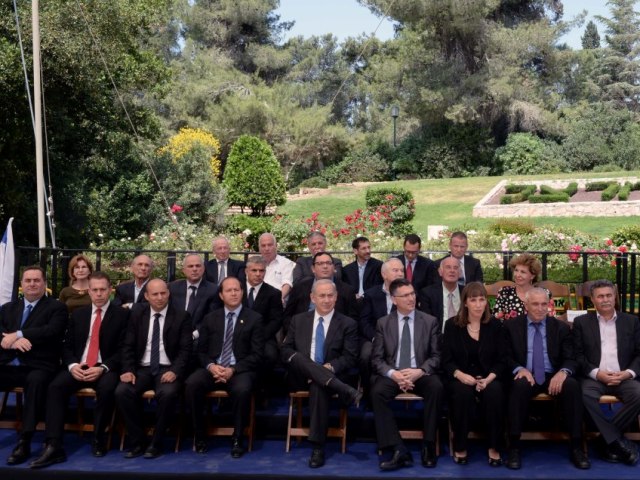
<point>16,423</point>
<point>494,288</point>
<point>81,425</point>
<point>299,431</point>
<point>612,400</point>
<point>414,434</point>
<point>227,431</point>
<point>558,291</point>
<point>559,434</point>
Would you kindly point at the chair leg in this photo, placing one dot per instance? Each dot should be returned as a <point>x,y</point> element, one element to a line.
<point>288,445</point>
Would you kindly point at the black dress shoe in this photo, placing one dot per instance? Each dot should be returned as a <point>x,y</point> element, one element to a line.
<point>135,451</point>
<point>460,459</point>
<point>513,460</point>
<point>580,459</point>
<point>398,460</point>
<point>201,446</point>
<point>350,396</point>
<point>626,450</point>
<point>495,462</point>
<point>98,449</point>
<point>152,452</point>
<point>237,450</point>
<point>607,452</point>
<point>317,458</point>
<point>50,456</point>
<point>20,454</point>
<point>429,457</point>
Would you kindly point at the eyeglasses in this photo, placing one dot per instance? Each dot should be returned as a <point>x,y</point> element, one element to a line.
<point>323,264</point>
<point>406,295</point>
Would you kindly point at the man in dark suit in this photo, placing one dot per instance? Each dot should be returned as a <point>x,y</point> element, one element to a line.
<point>32,334</point>
<point>442,299</point>
<point>131,292</point>
<point>406,356</point>
<point>91,359</point>
<point>316,242</point>
<point>222,266</point>
<point>376,303</point>
<point>155,356</point>
<point>230,351</point>
<point>542,361</point>
<point>470,268</point>
<point>300,299</point>
<point>194,294</point>
<point>607,345</point>
<point>267,301</point>
<point>320,347</point>
<point>419,270</point>
<point>364,272</point>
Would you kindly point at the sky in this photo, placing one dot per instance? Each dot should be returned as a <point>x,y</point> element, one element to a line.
<point>347,18</point>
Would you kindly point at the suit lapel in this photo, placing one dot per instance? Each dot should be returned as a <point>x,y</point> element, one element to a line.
<point>331,333</point>
<point>306,334</point>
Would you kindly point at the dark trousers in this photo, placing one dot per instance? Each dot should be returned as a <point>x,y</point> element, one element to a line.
<point>464,402</point>
<point>365,363</point>
<point>384,390</point>
<point>239,388</point>
<point>63,386</point>
<point>35,383</point>
<point>130,404</point>
<point>522,392</point>
<point>628,392</point>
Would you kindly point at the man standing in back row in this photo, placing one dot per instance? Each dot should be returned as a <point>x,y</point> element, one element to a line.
<point>470,268</point>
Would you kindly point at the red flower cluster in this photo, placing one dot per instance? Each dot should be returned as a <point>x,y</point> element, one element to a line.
<point>175,208</point>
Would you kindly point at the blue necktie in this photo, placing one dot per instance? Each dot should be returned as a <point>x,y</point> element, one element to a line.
<point>538,355</point>
<point>319,355</point>
<point>25,314</point>
<point>154,361</point>
<point>227,346</point>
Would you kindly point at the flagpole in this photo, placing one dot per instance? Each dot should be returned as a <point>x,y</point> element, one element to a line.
<point>37,104</point>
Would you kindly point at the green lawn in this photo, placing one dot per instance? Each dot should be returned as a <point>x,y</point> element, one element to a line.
<point>450,202</point>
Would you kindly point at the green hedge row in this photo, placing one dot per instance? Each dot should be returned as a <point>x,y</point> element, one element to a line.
<point>610,192</point>
<point>518,197</point>
<point>549,198</point>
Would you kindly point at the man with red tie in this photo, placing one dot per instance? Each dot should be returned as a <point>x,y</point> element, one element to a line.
<point>420,271</point>
<point>91,359</point>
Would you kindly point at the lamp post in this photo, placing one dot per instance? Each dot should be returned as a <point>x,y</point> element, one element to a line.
<point>395,112</point>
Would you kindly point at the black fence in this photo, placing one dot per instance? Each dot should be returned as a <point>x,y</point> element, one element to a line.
<point>568,267</point>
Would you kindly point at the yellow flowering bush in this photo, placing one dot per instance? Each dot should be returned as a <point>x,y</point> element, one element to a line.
<point>188,139</point>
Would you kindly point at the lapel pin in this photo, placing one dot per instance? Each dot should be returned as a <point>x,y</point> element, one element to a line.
<point>241,321</point>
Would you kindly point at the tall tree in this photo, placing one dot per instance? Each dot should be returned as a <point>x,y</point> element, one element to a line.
<point>591,37</point>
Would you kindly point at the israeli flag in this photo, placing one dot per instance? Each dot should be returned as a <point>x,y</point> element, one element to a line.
<point>7,265</point>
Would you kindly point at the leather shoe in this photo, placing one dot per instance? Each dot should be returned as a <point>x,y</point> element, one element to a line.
<point>580,459</point>
<point>514,461</point>
<point>350,396</point>
<point>20,454</point>
<point>50,456</point>
<point>135,451</point>
<point>429,457</point>
<point>607,452</point>
<point>317,458</point>
<point>495,462</point>
<point>237,450</point>
<point>201,446</point>
<point>152,452</point>
<point>398,460</point>
<point>626,451</point>
<point>98,449</point>
<point>460,459</point>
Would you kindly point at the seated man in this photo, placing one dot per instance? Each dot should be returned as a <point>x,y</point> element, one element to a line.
<point>470,268</point>
<point>363,273</point>
<point>320,347</point>
<point>607,347</point>
<point>229,351</point>
<point>91,359</point>
<point>406,356</point>
<point>442,299</point>
<point>155,356</point>
<point>128,293</point>
<point>541,359</point>
<point>222,266</point>
<point>316,242</point>
<point>32,333</point>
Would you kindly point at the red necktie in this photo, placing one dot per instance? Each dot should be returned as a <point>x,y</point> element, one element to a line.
<point>94,342</point>
<point>409,272</point>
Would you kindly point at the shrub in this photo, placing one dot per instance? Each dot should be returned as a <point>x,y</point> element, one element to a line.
<point>549,198</point>
<point>313,182</point>
<point>626,236</point>
<point>509,226</point>
<point>523,196</point>
<point>597,186</point>
<point>610,192</point>
<point>521,154</point>
<point>571,189</point>
<point>513,188</point>
<point>624,192</point>
<point>397,202</point>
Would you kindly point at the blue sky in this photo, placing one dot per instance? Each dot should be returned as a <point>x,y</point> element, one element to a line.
<point>347,18</point>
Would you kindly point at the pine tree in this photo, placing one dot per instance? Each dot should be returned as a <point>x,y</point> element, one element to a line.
<point>591,37</point>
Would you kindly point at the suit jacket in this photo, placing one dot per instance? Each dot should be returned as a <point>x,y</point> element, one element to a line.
<point>125,293</point>
<point>300,299</point>
<point>340,343</point>
<point>431,301</point>
<point>586,338</point>
<point>472,268</point>
<point>559,344</point>
<point>176,335</point>
<point>268,303</point>
<point>248,339</point>
<point>44,328</point>
<point>426,343</point>
<point>371,277</point>
<point>112,330</point>
<point>303,268</point>
<point>207,299</point>
<point>424,273</point>
<point>491,349</point>
<point>373,307</point>
<point>235,268</point>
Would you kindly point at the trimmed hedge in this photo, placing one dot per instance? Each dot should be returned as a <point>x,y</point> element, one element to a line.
<point>508,226</point>
<point>571,189</point>
<point>549,198</point>
<point>624,192</point>
<point>610,192</point>
<point>597,186</point>
<point>512,188</point>
<point>518,197</point>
